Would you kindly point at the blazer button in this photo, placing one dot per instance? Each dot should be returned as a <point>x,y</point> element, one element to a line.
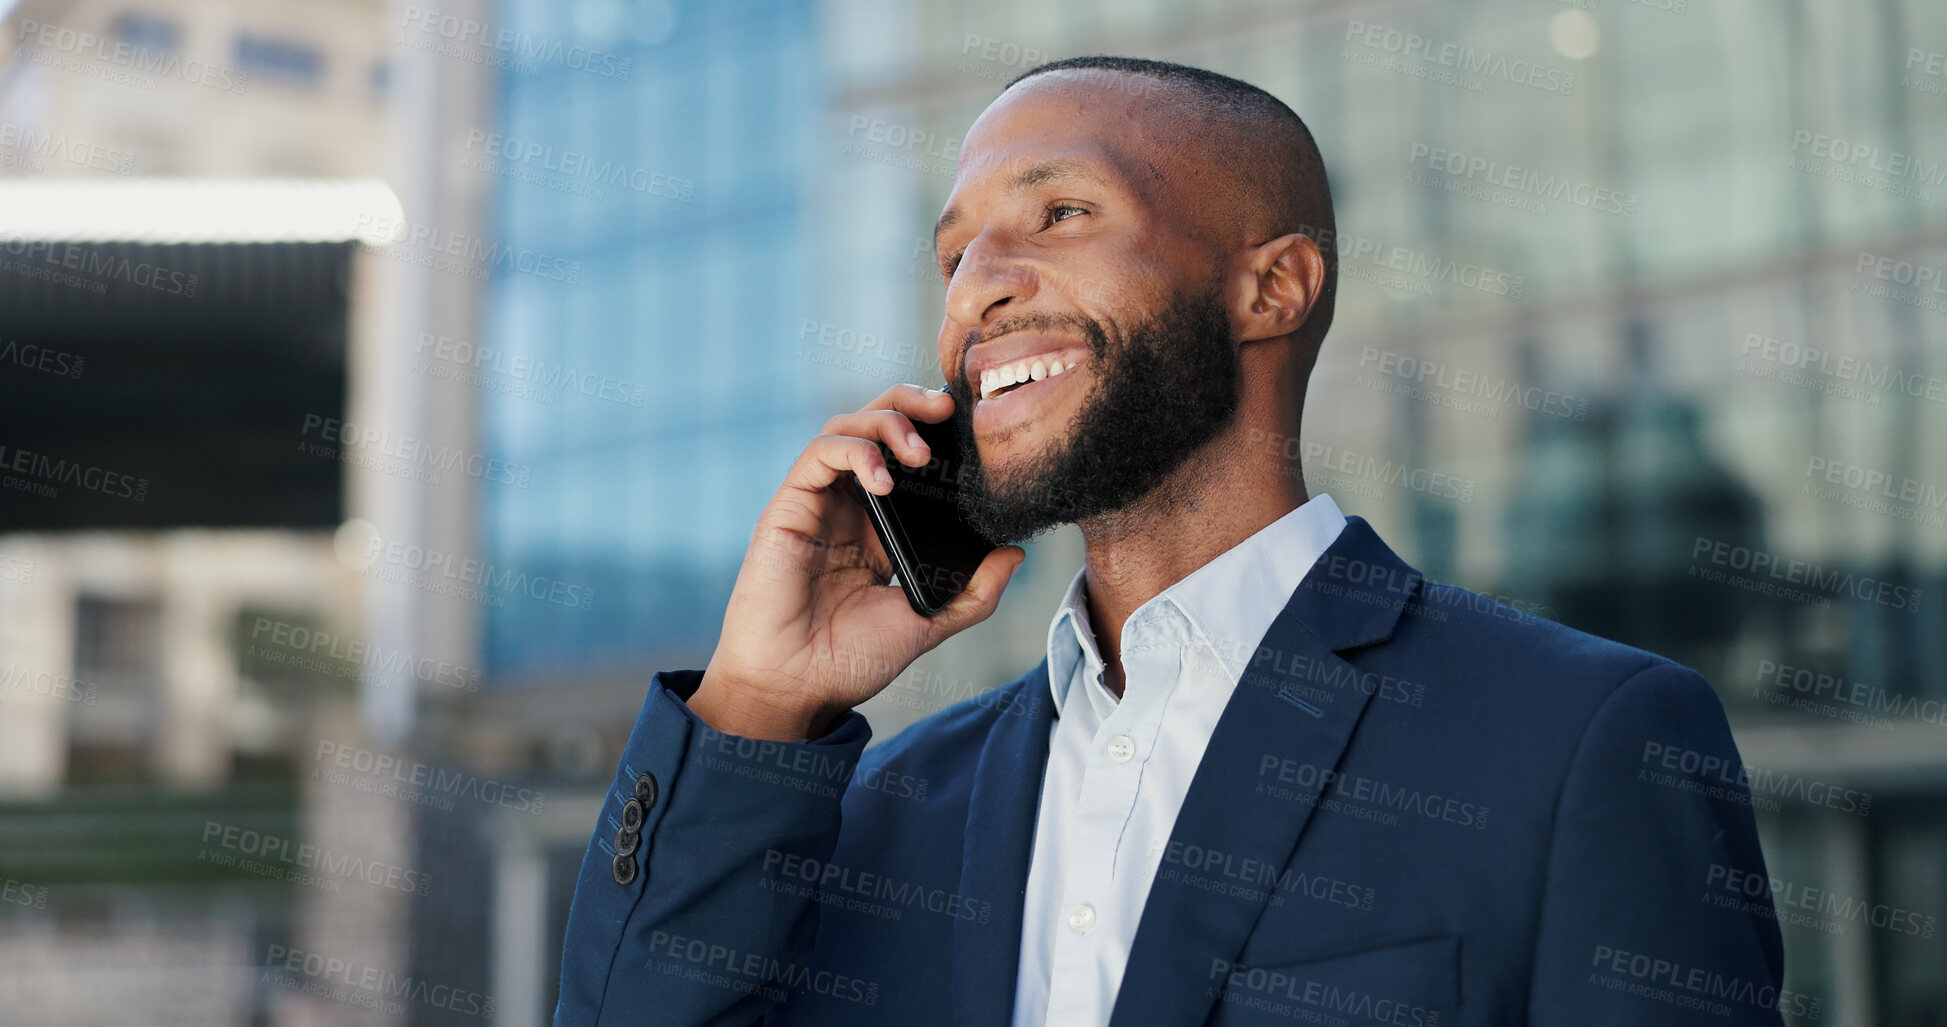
<point>624,869</point>
<point>645,790</point>
<point>626,842</point>
<point>632,816</point>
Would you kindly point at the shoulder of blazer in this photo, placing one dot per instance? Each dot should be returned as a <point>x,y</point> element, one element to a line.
<point>1454,622</point>
<point>1361,594</point>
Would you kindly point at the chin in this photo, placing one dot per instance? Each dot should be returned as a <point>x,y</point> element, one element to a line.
<point>1009,454</point>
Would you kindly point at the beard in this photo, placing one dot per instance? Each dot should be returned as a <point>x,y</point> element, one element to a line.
<point>1169,391</point>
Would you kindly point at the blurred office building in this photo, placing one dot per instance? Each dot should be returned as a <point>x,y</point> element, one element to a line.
<point>184,286</point>
<point>331,590</point>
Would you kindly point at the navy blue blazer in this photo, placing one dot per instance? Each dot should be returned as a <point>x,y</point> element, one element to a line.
<point>1419,808</point>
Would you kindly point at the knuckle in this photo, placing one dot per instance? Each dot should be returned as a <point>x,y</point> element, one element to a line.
<point>864,453</point>
<point>831,450</point>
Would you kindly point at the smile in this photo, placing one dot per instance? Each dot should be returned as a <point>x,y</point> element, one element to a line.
<point>997,380</point>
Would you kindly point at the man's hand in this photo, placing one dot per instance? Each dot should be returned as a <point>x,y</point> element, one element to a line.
<point>812,628</point>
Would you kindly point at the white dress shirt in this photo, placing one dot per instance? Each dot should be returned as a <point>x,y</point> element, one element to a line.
<point>1118,770</point>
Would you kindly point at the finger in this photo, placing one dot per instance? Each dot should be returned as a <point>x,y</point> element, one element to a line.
<point>827,457</point>
<point>924,404</point>
<point>888,426</point>
<point>982,595</point>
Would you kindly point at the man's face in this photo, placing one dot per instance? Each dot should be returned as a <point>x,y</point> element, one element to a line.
<point>1064,246</point>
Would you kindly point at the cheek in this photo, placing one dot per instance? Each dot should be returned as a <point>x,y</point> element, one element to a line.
<point>1116,317</point>
<point>1126,288</point>
<point>1112,288</point>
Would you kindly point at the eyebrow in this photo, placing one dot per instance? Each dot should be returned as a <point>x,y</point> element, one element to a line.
<point>1040,173</point>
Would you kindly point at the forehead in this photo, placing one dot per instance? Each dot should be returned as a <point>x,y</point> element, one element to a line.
<point>1080,124</point>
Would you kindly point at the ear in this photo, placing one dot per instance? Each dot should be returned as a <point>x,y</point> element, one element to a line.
<point>1286,275</point>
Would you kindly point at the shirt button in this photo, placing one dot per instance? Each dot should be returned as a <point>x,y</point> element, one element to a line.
<point>1082,917</point>
<point>1122,748</point>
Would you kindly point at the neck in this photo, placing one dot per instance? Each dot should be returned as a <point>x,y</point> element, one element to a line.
<point>1222,495</point>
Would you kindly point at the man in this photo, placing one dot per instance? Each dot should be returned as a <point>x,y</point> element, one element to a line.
<point>1267,773</point>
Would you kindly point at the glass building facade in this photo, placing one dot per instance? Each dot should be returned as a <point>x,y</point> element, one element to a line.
<point>650,401</point>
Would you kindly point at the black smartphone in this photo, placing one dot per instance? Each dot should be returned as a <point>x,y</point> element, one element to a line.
<point>934,551</point>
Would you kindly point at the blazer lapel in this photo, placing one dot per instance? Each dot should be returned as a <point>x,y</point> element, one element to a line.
<point>1000,831</point>
<point>1235,815</point>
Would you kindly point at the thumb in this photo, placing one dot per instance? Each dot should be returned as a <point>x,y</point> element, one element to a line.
<point>982,595</point>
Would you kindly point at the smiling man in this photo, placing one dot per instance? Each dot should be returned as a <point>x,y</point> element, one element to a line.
<point>1266,773</point>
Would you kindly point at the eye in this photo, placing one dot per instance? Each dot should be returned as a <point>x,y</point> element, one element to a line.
<point>952,264</point>
<point>1048,215</point>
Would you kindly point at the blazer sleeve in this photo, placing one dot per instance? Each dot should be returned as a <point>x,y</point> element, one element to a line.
<point>1637,923</point>
<point>680,916</point>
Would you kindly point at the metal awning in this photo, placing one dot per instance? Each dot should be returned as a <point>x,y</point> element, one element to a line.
<point>175,334</point>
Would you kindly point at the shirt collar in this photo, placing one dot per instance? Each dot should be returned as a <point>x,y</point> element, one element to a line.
<point>1230,601</point>
<point>1071,641</point>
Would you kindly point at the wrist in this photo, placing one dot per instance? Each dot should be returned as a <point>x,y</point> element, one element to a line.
<point>735,707</point>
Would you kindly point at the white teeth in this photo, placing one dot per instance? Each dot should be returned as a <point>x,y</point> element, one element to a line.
<point>995,379</point>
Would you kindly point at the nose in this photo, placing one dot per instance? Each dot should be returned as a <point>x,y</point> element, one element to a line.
<point>987,280</point>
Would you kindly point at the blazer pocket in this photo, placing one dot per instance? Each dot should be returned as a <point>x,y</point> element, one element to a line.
<point>1406,984</point>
